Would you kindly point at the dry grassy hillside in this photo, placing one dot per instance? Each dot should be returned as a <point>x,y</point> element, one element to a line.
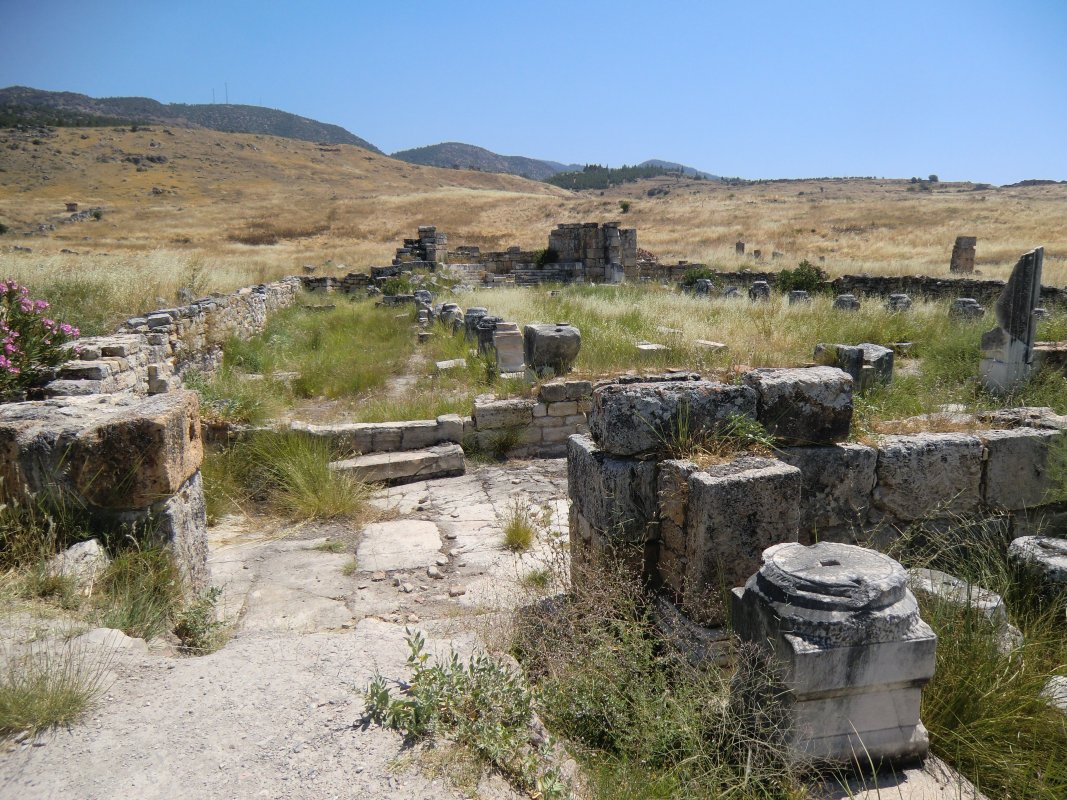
<point>217,210</point>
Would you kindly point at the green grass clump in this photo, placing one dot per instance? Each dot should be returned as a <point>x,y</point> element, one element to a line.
<point>983,707</point>
<point>644,722</point>
<point>520,527</point>
<point>230,396</point>
<point>41,688</point>
<point>288,472</point>
<point>141,593</point>
<point>198,627</point>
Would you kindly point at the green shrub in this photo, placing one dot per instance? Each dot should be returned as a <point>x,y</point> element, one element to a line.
<point>649,723</point>
<point>546,255</point>
<point>624,206</point>
<point>401,284</point>
<point>520,526</point>
<point>198,627</point>
<point>3,229</point>
<point>480,705</point>
<point>691,276</point>
<point>806,277</point>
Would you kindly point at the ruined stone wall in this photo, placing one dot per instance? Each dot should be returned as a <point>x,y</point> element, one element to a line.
<point>595,245</point>
<point>689,530</point>
<point>148,354</point>
<point>536,428</point>
<point>916,286</point>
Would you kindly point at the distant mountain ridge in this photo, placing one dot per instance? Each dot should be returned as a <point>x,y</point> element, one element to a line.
<point>23,105</point>
<point>457,155</point>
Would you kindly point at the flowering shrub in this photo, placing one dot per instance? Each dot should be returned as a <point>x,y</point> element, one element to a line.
<point>31,344</point>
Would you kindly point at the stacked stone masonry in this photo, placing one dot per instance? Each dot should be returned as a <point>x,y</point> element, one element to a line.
<point>691,531</point>
<point>149,353</point>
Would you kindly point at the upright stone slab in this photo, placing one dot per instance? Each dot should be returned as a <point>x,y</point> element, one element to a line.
<point>486,327</point>
<point>965,308</point>
<point>898,302</point>
<point>809,405</point>
<point>963,254</point>
<point>734,512</point>
<point>799,297</point>
<point>1008,349</point>
<point>1043,558</point>
<point>507,341</point>
<point>551,348</point>
<point>739,248</point>
<point>846,302</point>
<point>471,320</point>
<point>702,288</point>
<point>759,291</point>
<point>854,653</point>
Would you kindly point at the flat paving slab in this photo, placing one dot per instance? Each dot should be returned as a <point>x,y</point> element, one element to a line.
<point>400,544</point>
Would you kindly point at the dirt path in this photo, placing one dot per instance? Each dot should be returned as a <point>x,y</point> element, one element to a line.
<point>276,712</point>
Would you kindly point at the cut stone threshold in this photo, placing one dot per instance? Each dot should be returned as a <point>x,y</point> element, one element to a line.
<point>405,466</point>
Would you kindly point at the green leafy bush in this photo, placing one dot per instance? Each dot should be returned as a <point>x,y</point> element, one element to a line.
<point>806,277</point>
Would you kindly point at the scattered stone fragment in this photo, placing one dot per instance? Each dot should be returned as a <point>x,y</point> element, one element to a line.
<point>434,572</point>
<point>457,591</point>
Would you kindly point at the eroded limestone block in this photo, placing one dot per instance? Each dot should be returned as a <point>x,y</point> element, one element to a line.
<point>1017,468</point>
<point>616,496</point>
<point>759,291</point>
<point>1008,349</point>
<point>734,512</point>
<point>927,474</point>
<point>844,628</point>
<point>1043,557</point>
<point>630,419</point>
<point>493,414</point>
<point>551,348</point>
<point>836,485</point>
<point>808,405</point>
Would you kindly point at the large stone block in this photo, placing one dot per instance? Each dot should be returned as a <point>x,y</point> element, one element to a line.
<point>845,631</point>
<point>492,414</point>
<point>637,418</point>
<point>1043,557</point>
<point>1017,467</point>
<point>836,485</point>
<point>811,405</point>
<point>735,512</point>
<point>551,348</point>
<point>927,474</point>
<point>617,496</point>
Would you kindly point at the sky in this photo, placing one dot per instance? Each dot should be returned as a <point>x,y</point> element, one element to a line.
<point>964,89</point>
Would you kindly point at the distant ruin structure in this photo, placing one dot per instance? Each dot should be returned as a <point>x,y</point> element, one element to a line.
<point>430,247</point>
<point>963,254</point>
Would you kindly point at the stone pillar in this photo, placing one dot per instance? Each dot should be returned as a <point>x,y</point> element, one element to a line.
<point>846,302</point>
<point>1008,349</point>
<point>471,320</point>
<point>739,248</point>
<point>614,273</point>
<point>843,626</point>
<point>759,291</point>
<point>965,308</point>
<point>551,348</point>
<point>508,343</point>
<point>963,254</point>
<point>799,296</point>
<point>485,328</point>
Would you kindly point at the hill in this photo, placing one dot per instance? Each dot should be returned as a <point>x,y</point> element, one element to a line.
<point>456,155</point>
<point>20,105</point>
<point>594,176</point>
<point>671,166</point>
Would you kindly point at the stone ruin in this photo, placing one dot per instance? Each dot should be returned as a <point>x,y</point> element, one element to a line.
<point>963,254</point>
<point>596,247</point>
<point>838,619</point>
<point>430,247</point>
<point>1008,349</point>
<point>843,626</point>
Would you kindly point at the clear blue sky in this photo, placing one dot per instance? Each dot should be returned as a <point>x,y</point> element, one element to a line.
<point>967,89</point>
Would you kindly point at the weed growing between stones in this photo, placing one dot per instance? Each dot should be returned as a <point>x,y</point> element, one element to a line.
<point>480,705</point>
<point>521,525</point>
<point>141,593</point>
<point>643,720</point>
<point>350,567</point>
<point>984,706</point>
<point>735,435</point>
<point>331,546</point>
